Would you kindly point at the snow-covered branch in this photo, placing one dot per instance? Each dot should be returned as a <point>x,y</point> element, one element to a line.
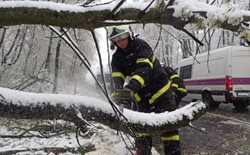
<point>178,14</point>
<point>25,105</point>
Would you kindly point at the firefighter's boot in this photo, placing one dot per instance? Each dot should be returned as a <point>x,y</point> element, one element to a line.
<point>143,145</point>
<point>172,148</point>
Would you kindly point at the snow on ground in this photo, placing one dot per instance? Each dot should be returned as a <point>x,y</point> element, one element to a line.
<point>105,140</point>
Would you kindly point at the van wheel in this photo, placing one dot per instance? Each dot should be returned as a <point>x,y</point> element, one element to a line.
<point>208,100</point>
<point>240,106</point>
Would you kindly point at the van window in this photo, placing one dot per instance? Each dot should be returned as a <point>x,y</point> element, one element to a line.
<point>185,72</point>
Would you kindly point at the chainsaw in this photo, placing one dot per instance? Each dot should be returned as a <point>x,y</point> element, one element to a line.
<point>123,99</point>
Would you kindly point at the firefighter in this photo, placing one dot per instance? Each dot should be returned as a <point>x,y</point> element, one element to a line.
<point>177,84</point>
<point>149,85</point>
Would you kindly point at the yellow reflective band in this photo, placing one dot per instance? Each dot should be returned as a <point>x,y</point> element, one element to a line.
<point>182,89</point>
<point>139,79</point>
<point>153,59</point>
<point>173,138</point>
<point>114,94</point>
<point>137,97</point>
<point>160,92</point>
<point>174,85</point>
<point>142,134</point>
<point>145,60</point>
<point>174,76</point>
<point>118,74</point>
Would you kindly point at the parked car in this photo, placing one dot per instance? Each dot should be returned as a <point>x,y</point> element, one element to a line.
<point>221,75</point>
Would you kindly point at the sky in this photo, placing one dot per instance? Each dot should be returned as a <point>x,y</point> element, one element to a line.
<point>105,137</point>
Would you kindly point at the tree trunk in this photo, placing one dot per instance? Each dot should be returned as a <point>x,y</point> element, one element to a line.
<point>94,17</point>
<point>57,65</point>
<point>53,107</point>
<point>49,53</point>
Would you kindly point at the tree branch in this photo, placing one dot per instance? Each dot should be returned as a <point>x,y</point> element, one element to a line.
<point>93,17</point>
<point>55,106</point>
<point>55,150</point>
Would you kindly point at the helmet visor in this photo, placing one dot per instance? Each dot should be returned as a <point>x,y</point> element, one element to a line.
<point>122,36</point>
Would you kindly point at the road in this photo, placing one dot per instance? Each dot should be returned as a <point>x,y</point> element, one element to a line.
<point>227,132</point>
<point>218,132</point>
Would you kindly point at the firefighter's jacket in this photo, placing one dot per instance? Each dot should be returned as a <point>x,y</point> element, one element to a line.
<point>149,82</point>
<point>177,83</point>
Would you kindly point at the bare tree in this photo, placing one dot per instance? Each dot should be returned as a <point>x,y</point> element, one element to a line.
<point>57,65</point>
<point>49,54</point>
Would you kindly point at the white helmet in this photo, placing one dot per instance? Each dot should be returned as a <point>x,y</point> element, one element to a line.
<point>119,32</point>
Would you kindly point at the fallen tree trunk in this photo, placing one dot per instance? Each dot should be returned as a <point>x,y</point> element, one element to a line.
<point>177,14</point>
<point>25,105</point>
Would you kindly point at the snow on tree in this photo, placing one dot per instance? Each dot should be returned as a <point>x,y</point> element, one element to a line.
<point>79,109</point>
<point>177,13</point>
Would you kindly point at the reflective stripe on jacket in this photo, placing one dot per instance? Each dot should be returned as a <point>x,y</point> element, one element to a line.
<point>176,80</point>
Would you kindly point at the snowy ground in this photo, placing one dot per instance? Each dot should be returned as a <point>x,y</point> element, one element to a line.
<point>101,140</point>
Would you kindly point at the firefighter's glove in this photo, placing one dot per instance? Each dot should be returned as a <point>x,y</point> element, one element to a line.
<point>121,96</point>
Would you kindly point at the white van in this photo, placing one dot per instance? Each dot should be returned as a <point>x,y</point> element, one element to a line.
<point>221,75</point>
